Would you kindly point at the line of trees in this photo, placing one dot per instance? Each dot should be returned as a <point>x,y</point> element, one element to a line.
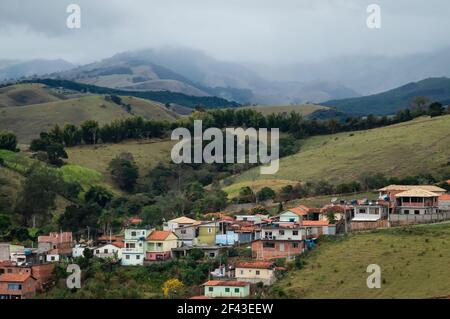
<point>91,132</point>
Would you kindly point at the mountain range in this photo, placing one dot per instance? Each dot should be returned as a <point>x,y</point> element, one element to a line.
<point>389,102</point>
<point>350,84</point>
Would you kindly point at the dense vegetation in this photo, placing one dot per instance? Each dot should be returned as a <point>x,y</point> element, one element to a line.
<point>160,96</point>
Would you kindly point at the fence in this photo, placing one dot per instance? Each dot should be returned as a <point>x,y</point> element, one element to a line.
<point>397,220</point>
<point>356,226</point>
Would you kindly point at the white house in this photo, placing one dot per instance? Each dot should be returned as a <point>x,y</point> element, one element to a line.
<point>111,250</point>
<point>133,252</point>
<point>282,232</point>
<point>370,211</point>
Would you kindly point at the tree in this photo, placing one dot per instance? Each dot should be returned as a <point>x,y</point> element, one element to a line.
<point>55,152</point>
<point>88,253</point>
<point>124,171</point>
<point>76,217</point>
<point>435,109</point>
<point>285,193</point>
<point>265,193</point>
<point>5,224</point>
<point>246,195</point>
<point>152,215</point>
<point>38,194</point>
<point>172,288</point>
<point>8,141</point>
<point>420,101</point>
<point>89,131</point>
<point>72,135</point>
<point>331,217</point>
<point>98,195</point>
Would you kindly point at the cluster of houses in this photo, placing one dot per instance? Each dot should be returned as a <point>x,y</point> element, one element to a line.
<point>25,271</point>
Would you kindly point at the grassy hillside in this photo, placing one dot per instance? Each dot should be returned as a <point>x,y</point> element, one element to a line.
<point>304,109</point>
<point>436,89</point>
<point>146,154</point>
<point>28,121</point>
<point>414,264</point>
<point>26,94</point>
<point>421,145</point>
<point>19,163</point>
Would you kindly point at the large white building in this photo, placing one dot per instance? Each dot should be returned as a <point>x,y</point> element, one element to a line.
<point>133,252</point>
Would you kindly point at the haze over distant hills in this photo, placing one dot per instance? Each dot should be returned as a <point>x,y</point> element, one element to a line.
<point>194,73</point>
<point>363,73</point>
<point>14,69</point>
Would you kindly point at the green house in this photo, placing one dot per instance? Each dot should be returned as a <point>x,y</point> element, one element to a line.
<point>226,289</point>
<point>207,233</point>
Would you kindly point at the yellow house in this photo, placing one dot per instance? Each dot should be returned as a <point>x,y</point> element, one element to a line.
<point>256,271</point>
<point>159,245</point>
<point>207,233</point>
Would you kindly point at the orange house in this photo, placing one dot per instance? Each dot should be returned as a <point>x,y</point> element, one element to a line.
<point>17,286</point>
<point>265,249</point>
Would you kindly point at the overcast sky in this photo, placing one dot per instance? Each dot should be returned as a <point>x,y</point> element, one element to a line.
<point>260,31</point>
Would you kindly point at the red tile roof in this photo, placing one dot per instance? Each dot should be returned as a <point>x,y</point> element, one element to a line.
<point>314,223</point>
<point>112,238</point>
<point>303,210</point>
<point>159,235</point>
<point>134,221</point>
<point>226,283</point>
<point>21,277</point>
<point>118,244</point>
<point>255,264</point>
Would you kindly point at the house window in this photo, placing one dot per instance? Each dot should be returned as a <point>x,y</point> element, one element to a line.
<point>127,257</point>
<point>294,245</point>
<point>406,211</point>
<point>14,287</point>
<point>236,290</point>
<point>138,256</point>
<point>417,212</point>
<point>52,258</point>
<point>258,272</point>
<point>159,244</point>
<point>210,289</point>
<point>133,233</point>
<point>242,272</point>
<point>227,289</point>
<point>183,231</point>
<point>291,220</point>
<point>105,251</point>
<point>295,232</point>
<point>268,245</point>
<point>281,232</point>
<point>97,251</point>
<point>209,230</point>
